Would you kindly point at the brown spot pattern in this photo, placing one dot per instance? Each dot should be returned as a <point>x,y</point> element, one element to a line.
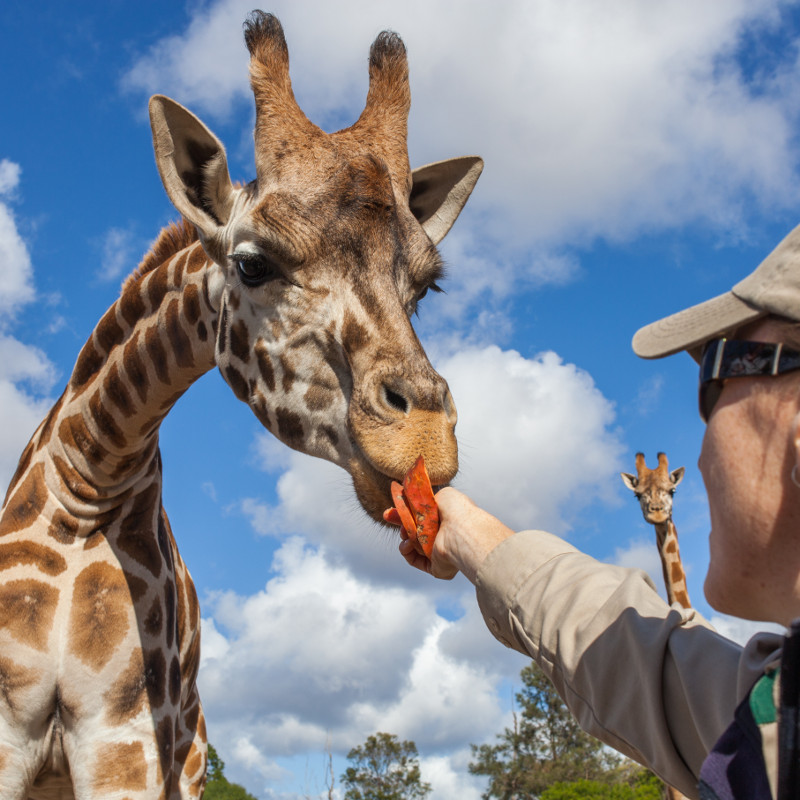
<point>86,367</point>
<point>354,335</point>
<point>180,344</point>
<point>74,433</point>
<point>73,482</point>
<point>236,381</point>
<point>105,422</point>
<point>318,397</point>
<point>240,341</point>
<point>191,304</point>
<point>174,681</point>
<point>289,375</point>
<point>99,614</point>
<point>50,420</point>
<point>63,527</point>
<point>108,331</point>
<point>154,620</point>
<point>156,353</point>
<point>120,767</point>
<point>22,467</point>
<point>136,536</point>
<point>290,426</point>
<point>157,287</point>
<point>15,680</point>
<point>265,365</point>
<point>117,392</point>
<point>26,552</point>
<point>27,608</point>
<point>27,503</point>
<point>134,368</point>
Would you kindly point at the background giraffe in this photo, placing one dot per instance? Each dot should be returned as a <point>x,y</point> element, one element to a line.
<point>654,489</point>
<point>298,287</point>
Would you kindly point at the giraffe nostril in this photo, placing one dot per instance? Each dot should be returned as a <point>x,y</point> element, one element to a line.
<point>395,400</point>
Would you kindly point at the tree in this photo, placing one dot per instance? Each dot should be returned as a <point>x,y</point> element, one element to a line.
<point>218,787</point>
<point>384,768</point>
<point>545,746</point>
<point>646,787</point>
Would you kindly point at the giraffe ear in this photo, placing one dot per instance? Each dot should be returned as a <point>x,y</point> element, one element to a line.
<point>629,480</point>
<point>192,165</point>
<point>676,476</point>
<point>439,192</point>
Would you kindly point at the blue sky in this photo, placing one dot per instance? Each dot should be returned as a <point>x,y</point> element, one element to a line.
<point>640,157</point>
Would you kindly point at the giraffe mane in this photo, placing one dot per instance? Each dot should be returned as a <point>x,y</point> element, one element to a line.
<point>171,240</point>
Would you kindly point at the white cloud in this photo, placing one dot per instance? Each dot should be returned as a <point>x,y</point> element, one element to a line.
<point>16,272</point>
<point>534,435</point>
<point>25,371</point>
<point>118,248</point>
<point>740,630</point>
<point>320,656</point>
<point>642,554</point>
<point>594,119</point>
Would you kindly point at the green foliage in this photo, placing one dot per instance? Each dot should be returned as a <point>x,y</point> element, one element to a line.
<point>646,787</point>
<point>384,768</point>
<point>547,748</point>
<point>218,787</point>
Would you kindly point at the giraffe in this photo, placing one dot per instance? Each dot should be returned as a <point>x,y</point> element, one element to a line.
<point>299,288</point>
<point>654,489</point>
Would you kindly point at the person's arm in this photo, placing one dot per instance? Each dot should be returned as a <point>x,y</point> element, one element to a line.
<point>656,683</point>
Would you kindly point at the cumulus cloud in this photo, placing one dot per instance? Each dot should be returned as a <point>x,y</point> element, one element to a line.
<point>25,371</point>
<point>642,554</point>
<point>369,658</point>
<point>740,630</point>
<point>118,248</point>
<point>16,271</point>
<point>594,119</point>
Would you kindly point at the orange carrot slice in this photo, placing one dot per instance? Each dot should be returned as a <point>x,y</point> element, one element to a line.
<point>415,508</point>
<point>418,494</point>
<point>406,519</point>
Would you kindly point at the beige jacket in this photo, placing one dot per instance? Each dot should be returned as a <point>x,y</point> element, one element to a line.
<point>653,681</point>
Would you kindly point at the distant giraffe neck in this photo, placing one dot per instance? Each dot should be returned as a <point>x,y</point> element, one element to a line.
<point>101,438</point>
<point>674,575</point>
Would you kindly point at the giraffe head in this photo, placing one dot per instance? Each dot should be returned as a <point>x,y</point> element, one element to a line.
<point>320,263</point>
<point>654,488</point>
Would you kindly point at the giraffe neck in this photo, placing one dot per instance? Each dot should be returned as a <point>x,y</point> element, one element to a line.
<point>674,576</point>
<point>100,440</point>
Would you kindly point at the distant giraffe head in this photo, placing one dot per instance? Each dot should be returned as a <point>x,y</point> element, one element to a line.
<point>654,488</point>
<point>322,260</point>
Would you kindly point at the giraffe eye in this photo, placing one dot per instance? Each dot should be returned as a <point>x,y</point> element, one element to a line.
<point>253,268</point>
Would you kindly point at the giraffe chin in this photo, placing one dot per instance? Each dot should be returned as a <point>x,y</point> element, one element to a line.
<point>372,488</point>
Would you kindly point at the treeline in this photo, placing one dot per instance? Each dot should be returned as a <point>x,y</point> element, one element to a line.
<point>544,756</point>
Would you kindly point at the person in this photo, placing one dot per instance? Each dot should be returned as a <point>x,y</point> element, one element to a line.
<point>711,718</point>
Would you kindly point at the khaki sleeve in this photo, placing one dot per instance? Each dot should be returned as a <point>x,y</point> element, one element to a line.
<point>653,681</point>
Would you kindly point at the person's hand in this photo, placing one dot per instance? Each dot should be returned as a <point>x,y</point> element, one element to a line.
<point>467,534</point>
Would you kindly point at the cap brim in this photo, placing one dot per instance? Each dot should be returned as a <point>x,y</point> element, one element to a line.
<point>692,327</point>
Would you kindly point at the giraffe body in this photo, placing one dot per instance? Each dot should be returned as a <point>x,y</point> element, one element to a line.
<point>299,288</point>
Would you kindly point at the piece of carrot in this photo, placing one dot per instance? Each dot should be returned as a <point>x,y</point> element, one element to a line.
<point>406,518</point>
<point>416,507</point>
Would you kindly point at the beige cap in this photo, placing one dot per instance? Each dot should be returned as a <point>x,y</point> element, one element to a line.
<point>772,288</point>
